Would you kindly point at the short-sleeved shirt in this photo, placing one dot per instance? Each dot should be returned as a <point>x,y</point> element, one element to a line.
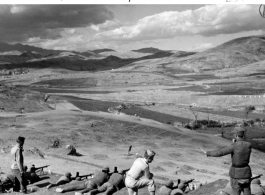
<point>17,158</point>
<point>138,168</point>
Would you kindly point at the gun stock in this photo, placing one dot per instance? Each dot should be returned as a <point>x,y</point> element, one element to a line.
<point>41,167</point>
<point>85,176</point>
<point>256,177</point>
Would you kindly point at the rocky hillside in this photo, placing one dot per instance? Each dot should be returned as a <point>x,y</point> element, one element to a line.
<point>235,53</point>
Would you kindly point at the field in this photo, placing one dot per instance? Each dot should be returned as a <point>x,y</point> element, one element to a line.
<point>148,110</point>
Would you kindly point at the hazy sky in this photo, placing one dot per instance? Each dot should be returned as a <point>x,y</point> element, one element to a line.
<point>123,27</point>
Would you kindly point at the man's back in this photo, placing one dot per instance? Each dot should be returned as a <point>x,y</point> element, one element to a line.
<point>117,180</point>
<point>100,177</point>
<point>138,168</point>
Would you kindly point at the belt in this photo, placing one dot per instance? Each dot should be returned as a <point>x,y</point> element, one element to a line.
<point>240,166</point>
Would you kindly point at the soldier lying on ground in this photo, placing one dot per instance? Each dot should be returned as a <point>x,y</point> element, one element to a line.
<point>169,188</point>
<point>32,176</point>
<point>66,178</point>
<point>8,182</point>
<point>114,184</point>
<point>99,178</point>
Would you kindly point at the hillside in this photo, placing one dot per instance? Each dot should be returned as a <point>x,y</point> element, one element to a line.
<point>235,53</point>
<point>4,47</point>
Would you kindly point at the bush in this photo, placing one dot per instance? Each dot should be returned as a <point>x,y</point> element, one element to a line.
<point>257,120</point>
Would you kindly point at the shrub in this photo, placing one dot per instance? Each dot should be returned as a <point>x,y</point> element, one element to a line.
<point>257,120</point>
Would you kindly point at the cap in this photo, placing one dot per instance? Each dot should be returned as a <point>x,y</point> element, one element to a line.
<point>255,181</point>
<point>105,169</point>
<point>238,131</point>
<point>20,139</point>
<point>68,174</point>
<point>150,153</point>
<point>169,183</point>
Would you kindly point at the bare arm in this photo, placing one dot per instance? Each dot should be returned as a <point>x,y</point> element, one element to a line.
<point>148,174</point>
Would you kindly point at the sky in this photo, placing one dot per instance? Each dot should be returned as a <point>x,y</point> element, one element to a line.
<point>125,27</point>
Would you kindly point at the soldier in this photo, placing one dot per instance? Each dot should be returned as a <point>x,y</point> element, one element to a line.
<point>8,182</point>
<point>240,171</point>
<point>17,165</point>
<point>98,179</point>
<point>114,184</point>
<point>134,179</point>
<point>66,178</point>
<point>32,176</point>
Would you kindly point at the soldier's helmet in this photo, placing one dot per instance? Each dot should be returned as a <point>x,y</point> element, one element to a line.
<point>169,183</point>
<point>68,174</point>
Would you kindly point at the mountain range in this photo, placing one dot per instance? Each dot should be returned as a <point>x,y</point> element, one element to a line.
<point>235,53</point>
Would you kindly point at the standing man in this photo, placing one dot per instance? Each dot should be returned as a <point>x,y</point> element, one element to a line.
<point>17,165</point>
<point>240,171</point>
<point>134,179</point>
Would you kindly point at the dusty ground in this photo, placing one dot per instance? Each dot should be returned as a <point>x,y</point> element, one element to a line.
<point>104,138</point>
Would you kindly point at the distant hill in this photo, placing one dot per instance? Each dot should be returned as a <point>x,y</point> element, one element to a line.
<point>97,51</point>
<point>148,50</point>
<point>235,53</point>
<point>4,47</point>
<point>29,54</point>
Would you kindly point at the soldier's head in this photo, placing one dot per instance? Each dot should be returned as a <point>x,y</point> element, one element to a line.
<point>68,174</point>
<point>20,140</point>
<point>25,168</point>
<point>149,155</point>
<point>105,169</point>
<point>169,183</point>
<point>238,132</point>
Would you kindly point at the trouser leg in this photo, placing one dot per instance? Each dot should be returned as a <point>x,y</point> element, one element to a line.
<point>89,186</point>
<point>93,192</point>
<point>132,191</point>
<point>110,190</point>
<point>150,183</point>
<point>73,187</point>
<point>246,189</point>
<point>21,179</point>
<point>235,186</point>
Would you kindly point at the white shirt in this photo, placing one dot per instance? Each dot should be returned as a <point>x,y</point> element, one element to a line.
<point>138,168</point>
